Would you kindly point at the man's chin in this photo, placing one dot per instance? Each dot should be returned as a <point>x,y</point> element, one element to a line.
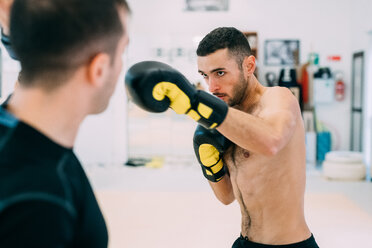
<point>225,99</point>
<point>232,104</point>
<point>227,102</point>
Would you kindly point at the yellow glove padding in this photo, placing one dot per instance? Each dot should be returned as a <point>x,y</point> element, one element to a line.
<point>180,102</point>
<point>210,157</point>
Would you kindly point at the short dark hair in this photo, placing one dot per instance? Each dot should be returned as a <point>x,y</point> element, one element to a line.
<point>225,37</point>
<point>52,38</point>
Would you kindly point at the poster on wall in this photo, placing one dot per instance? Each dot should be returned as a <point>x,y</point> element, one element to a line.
<point>282,52</point>
<point>207,5</point>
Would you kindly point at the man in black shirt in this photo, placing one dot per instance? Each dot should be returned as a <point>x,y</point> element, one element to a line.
<point>70,53</point>
<point>45,197</point>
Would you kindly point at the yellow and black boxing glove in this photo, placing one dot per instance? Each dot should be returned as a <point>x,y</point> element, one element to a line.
<point>155,86</point>
<point>209,146</point>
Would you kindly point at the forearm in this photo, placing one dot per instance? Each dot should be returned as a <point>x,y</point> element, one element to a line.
<point>223,190</point>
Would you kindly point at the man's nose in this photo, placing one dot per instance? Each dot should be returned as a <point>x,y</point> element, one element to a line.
<point>213,85</point>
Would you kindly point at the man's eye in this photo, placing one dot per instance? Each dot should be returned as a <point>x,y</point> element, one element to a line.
<point>204,75</point>
<point>220,73</point>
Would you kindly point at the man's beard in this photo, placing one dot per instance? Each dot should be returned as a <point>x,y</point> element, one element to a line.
<point>239,91</point>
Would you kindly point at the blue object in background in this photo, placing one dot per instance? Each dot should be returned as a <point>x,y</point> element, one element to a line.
<point>323,145</point>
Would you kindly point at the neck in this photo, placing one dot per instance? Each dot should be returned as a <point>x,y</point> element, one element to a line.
<point>56,114</point>
<point>254,92</point>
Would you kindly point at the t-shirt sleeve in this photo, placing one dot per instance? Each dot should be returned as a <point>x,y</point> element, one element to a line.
<point>36,224</point>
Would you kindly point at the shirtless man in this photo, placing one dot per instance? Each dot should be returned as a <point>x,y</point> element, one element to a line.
<point>264,168</point>
<point>266,162</point>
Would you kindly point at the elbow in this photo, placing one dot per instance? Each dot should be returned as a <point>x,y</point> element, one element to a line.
<point>272,147</point>
<point>271,151</point>
<point>226,200</point>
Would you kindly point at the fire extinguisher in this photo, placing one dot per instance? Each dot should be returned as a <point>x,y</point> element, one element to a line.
<point>339,88</point>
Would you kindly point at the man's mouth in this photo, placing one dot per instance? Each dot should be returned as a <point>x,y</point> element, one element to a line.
<point>220,95</point>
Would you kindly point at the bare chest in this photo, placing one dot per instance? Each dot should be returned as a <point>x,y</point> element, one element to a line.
<point>236,157</point>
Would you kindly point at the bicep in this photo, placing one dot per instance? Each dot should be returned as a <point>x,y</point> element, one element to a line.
<point>281,121</point>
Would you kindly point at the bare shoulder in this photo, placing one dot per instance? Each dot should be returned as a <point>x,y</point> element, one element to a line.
<point>277,95</point>
<point>279,99</point>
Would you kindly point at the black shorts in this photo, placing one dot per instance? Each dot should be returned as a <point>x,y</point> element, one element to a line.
<point>243,242</point>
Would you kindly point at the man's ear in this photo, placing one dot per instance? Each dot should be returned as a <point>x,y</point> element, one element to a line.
<point>249,64</point>
<point>98,68</point>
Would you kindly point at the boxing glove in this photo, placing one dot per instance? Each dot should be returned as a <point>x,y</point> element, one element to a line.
<point>155,86</point>
<point>5,39</point>
<point>209,146</point>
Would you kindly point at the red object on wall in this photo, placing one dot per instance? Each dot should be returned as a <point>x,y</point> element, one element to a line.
<point>304,81</point>
<point>334,58</point>
<point>340,90</point>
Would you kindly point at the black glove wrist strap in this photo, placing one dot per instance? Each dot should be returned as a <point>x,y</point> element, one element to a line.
<point>212,110</point>
<point>215,177</point>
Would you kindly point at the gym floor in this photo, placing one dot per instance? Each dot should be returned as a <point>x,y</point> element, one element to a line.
<point>173,206</point>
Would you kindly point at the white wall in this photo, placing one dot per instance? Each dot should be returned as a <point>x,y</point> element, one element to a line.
<point>102,139</point>
<point>321,26</point>
<point>361,24</point>
<point>328,27</point>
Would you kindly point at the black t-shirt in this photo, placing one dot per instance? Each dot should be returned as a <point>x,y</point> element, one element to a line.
<point>45,197</point>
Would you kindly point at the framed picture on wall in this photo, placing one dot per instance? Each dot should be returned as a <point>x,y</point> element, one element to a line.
<point>207,5</point>
<point>282,52</point>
